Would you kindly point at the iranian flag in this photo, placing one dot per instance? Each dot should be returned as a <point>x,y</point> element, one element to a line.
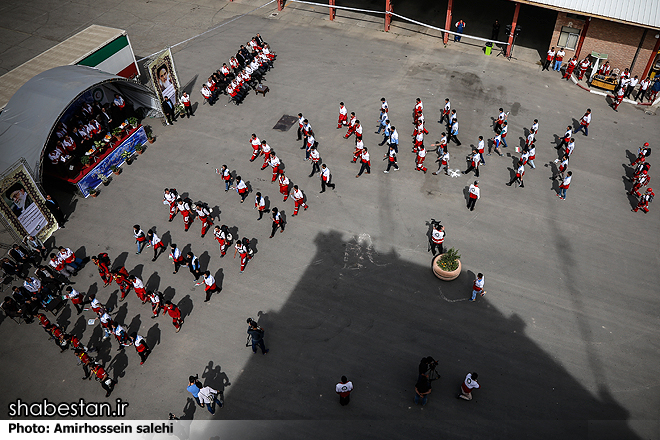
<point>115,57</point>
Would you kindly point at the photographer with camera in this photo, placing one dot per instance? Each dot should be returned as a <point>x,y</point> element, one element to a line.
<point>256,334</point>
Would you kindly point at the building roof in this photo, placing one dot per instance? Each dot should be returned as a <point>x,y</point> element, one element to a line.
<point>69,51</point>
<point>644,13</point>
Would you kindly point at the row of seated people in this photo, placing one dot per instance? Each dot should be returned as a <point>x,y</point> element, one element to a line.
<point>91,123</point>
<point>245,71</point>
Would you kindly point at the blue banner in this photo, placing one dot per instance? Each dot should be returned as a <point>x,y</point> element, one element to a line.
<point>92,179</point>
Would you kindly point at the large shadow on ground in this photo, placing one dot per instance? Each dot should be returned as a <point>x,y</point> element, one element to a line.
<point>372,317</point>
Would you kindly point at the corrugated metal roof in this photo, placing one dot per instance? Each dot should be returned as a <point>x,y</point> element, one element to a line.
<point>636,12</point>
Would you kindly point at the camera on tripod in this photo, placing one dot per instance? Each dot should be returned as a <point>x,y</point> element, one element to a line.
<point>250,321</point>
<point>436,223</point>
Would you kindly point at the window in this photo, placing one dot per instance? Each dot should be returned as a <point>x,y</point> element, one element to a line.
<point>568,38</point>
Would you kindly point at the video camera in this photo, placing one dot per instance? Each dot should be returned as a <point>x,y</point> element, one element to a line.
<point>436,223</point>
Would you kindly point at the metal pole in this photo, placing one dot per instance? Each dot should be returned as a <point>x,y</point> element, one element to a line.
<point>388,17</point>
<point>513,29</point>
<point>448,21</point>
<point>333,11</point>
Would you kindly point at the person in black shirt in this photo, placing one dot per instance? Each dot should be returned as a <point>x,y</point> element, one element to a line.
<point>54,209</point>
<point>257,335</point>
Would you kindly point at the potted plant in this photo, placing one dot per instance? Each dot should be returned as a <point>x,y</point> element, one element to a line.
<point>140,148</point>
<point>127,156</point>
<point>149,133</point>
<point>93,192</point>
<point>118,132</point>
<point>99,145</point>
<point>116,170</point>
<point>85,160</point>
<point>447,266</point>
<point>103,178</point>
<point>180,110</point>
<point>133,121</point>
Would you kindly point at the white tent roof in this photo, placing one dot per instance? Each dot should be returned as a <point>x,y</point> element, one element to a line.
<point>30,116</point>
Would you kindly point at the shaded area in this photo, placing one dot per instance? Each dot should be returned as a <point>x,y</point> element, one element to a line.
<point>381,315</point>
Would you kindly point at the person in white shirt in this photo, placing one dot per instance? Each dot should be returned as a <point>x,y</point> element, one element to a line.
<point>469,384</point>
<point>326,178</point>
<point>631,86</point>
<point>584,122</point>
<point>564,185</point>
<point>210,285</point>
<point>209,396</point>
<point>344,389</point>
<point>548,59</point>
<point>474,194</point>
<point>643,87</point>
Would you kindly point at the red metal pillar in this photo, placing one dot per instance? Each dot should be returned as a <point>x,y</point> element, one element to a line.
<point>649,65</point>
<point>513,29</point>
<point>388,17</point>
<point>280,5</point>
<point>448,21</point>
<point>583,34</point>
<point>333,11</point>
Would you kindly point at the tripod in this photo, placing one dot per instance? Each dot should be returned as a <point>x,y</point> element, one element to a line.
<point>432,373</point>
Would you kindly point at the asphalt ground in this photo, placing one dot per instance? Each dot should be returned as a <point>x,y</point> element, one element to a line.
<point>563,341</point>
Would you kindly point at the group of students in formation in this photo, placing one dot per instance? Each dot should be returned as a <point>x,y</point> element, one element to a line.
<point>245,70</point>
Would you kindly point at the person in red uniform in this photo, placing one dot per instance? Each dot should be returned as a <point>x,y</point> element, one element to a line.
<point>644,201</point>
<point>275,163</point>
<point>120,275</point>
<point>174,313</point>
<point>169,198</point>
<point>204,216</point>
<point>255,143</point>
<point>242,251</point>
<point>419,160</point>
<point>185,99</point>
<point>223,236</point>
<point>570,67</point>
<point>641,154</point>
<point>138,287</point>
<point>342,115</point>
<point>155,242</point>
<point>284,183</point>
<point>641,181</point>
<point>210,285</point>
<point>141,347</point>
<point>358,130</point>
<point>278,222</point>
<point>618,99</point>
<point>183,206</point>
<point>102,376</point>
<point>417,110</point>
<point>298,199</point>
<point>351,126</point>
<point>77,298</point>
<point>102,263</point>
<point>156,299</point>
<point>260,205</point>
<point>265,150</point>
<point>85,361</point>
<point>520,172</point>
<point>584,65</point>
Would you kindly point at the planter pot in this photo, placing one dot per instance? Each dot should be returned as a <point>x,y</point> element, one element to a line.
<point>443,274</point>
<point>94,194</point>
<point>151,140</point>
<point>118,172</point>
<point>129,161</point>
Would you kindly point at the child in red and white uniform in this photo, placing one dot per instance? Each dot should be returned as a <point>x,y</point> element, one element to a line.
<point>570,67</point>
<point>421,156</point>
<point>176,257</point>
<point>298,199</point>
<point>174,313</point>
<point>283,182</point>
<point>520,172</point>
<point>185,99</point>
<point>204,216</point>
<point>358,130</point>
<point>77,299</point>
<point>417,110</point>
<point>69,258</point>
<point>265,149</point>
<point>223,236</point>
<point>140,346</point>
<point>242,252</point>
<point>210,285</point>
<point>275,163</point>
<point>156,303</point>
<point>358,151</point>
<point>226,176</point>
<point>169,198</point>
<point>260,205</point>
<point>418,141</point>
<point>120,275</point>
<point>255,143</point>
<point>184,208</point>
<point>351,126</point>
<point>241,188</point>
<point>138,287</point>
<point>154,241</point>
<point>644,201</point>
<point>343,113</point>
<point>469,384</point>
<point>641,181</point>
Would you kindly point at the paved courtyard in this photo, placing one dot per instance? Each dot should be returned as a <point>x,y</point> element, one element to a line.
<point>565,340</point>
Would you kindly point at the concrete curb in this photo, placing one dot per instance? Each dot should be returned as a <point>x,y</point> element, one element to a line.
<point>597,92</point>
